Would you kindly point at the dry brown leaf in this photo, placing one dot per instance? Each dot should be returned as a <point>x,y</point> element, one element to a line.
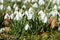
<point>7,29</point>
<point>6,22</point>
<point>52,22</point>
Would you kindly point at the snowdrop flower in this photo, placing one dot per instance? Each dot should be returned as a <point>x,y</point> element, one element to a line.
<point>56,1</point>
<point>12,16</point>
<point>41,14</point>
<point>31,10</point>
<point>35,5</point>
<point>45,19</point>
<point>15,12</point>
<point>29,16</point>
<point>34,1</point>
<point>54,13</point>
<point>55,7</point>
<point>1,7</point>
<point>41,2</point>
<point>16,8</point>
<point>1,1</point>
<point>26,12</point>
<point>9,8</point>
<point>21,15</point>
<point>24,6</point>
<point>6,16</point>
<point>30,13</point>
<point>17,17</point>
<point>25,1</point>
<point>59,28</point>
<point>27,26</point>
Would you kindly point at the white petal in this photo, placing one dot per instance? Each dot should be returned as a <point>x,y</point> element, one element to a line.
<point>1,7</point>
<point>16,8</point>
<point>24,6</point>
<point>30,16</point>
<point>6,16</point>
<point>12,16</point>
<point>41,2</point>
<point>35,5</point>
<point>9,8</point>
<point>55,7</point>
<point>45,20</point>
<point>59,28</point>
<point>27,27</point>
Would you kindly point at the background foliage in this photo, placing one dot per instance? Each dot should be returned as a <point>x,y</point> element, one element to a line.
<point>37,30</point>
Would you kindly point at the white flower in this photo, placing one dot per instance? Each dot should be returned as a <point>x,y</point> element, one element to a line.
<point>56,1</point>
<point>26,12</point>
<point>25,1</point>
<point>27,26</point>
<point>9,8</point>
<point>16,17</point>
<point>1,1</point>
<point>19,15</point>
<point>30,16</point>
<point>31,10</point>
<point>7,16</point>
<point>59,28</point>
<point>1,7</point>
<point>30,13</point>
<point>16,8</point>
<point>35,5</point>
<point>55,7</point>
<point>41,14</point>
<point>12,16</point>
<point>45,20</point>
<point>24,6</point>
<point>54,13</point>
<point>34,1</point>
<point>41,2</point>
<point>15,12</point>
